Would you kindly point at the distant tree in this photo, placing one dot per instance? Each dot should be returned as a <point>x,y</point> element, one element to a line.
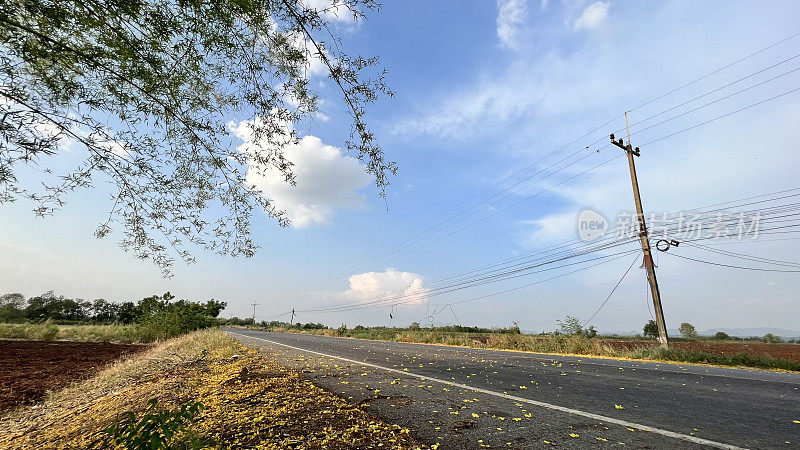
<point>149,306</point>
<point>128,313</point>
<point>570,325</point>
<point>590,332</point>
<point>145,89</point>
<point>771,338</point>
<point>103,311</point>
<point>12,300</point>
<point>721,335</point>
<point>651,329</point>
<point>688,331</point>
<point>57,307</point>
<point>214,307</point>
<point>12,307</point>
<point>414,326</point>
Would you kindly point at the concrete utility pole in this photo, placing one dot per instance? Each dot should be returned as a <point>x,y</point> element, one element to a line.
<point>254,312</point>
<point>292,321</point>
<point>648,255</point>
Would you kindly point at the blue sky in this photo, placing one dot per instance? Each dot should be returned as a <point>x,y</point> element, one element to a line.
<point>485,89</point>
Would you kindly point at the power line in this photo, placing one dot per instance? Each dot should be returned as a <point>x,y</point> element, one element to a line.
<point>510,274</point>
<point>548,279</point>
<point>733,266</point>
<point>635,108</point>
<point>444,224</point>
<point>504,270</point>
<point>636,258</point>
<point>579,174</point>
<point>721,117</point>
<point>759,259</point>
<point>717,71</point>
<point>719,100</point>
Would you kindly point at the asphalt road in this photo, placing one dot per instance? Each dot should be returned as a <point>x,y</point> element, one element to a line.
<point>472,398</point>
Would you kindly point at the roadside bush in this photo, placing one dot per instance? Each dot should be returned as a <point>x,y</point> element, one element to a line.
<point>174,320</point>
<point>570,325</point>
<point>157,429</point>
<point>46,331</point>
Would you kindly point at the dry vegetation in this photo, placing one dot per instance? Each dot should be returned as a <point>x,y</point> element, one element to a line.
<point>738,354</point>
<point>250,402</point>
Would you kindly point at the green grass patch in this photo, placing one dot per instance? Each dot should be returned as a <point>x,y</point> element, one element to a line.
<point>123,334</point>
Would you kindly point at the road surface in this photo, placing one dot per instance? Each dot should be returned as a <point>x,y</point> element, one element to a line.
<point>473,398</point>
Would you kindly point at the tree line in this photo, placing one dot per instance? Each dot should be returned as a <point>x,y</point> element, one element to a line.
<point>14,307</point>
<point>154,317</point>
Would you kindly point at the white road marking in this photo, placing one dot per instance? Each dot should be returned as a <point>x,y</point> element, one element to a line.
<point>564,409</point>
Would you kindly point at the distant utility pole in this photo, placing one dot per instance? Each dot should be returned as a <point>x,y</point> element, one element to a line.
<point>292,321</point>
<point>254,311</point>
<point>648,256</point>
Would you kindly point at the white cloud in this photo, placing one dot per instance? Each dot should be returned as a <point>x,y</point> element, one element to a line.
<point>326,179</point>
<point>392,284</point>
<point>550,229</point>
<point>334,10</point>
<point>523,89</point>
<point>592,16</point>
<point>511,15</point>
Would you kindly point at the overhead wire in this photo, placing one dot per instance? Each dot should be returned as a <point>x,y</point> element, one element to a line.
<point>653,100</point>
<point>509,273</point>
<point>733,266</point>
<point>589,320</point>
<point>581,173</point>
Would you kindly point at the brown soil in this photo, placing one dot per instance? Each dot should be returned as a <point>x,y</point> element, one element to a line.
<point>783,351</point>
<point>28,369</point>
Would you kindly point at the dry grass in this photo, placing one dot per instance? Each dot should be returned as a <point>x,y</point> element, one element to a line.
<point>559,344</point>
<point>249,401</point>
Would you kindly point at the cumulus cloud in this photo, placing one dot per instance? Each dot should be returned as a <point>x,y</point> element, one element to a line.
<point>389,284</point>
<point>327,179</point>
<point>592,16</point>
<point>511,16</point>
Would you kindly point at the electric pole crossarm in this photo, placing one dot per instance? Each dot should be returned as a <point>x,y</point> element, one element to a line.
<point>627,148</point>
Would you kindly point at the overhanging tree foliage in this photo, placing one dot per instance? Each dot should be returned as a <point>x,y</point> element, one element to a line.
<point>146,87</point>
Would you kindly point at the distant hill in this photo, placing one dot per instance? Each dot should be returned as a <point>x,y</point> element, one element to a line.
<point>738,332</point>
<point>747,332</point>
